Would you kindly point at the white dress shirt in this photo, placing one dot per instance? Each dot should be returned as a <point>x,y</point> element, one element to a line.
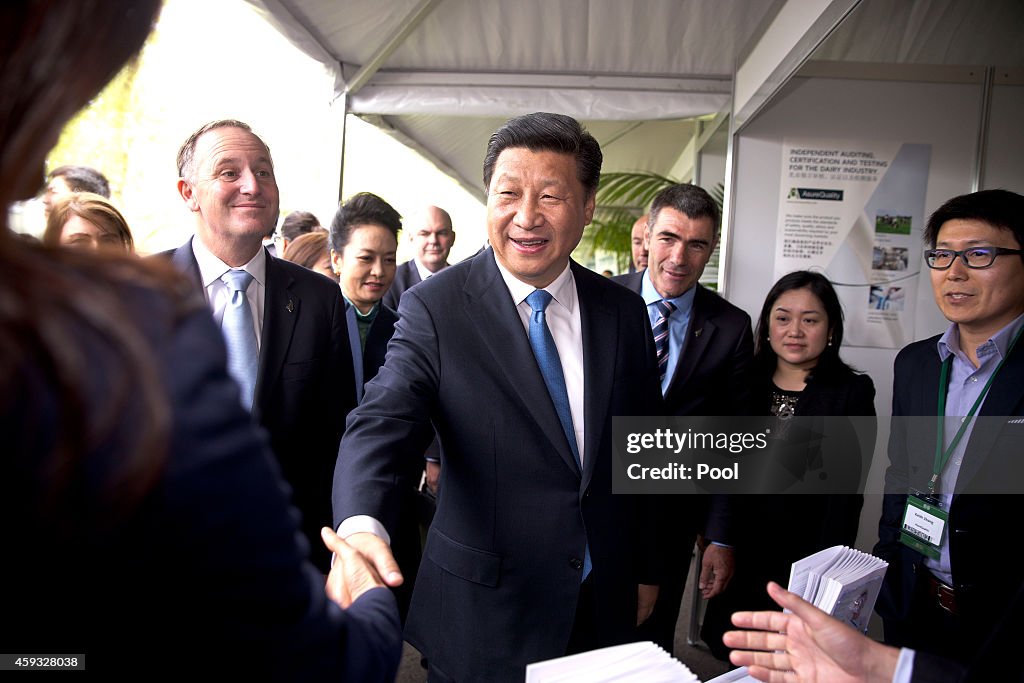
<point>423,270</point>
<point>567,330</point>
<point>212,268</point>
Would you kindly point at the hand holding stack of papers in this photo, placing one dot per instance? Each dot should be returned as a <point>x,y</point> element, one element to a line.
<point>841,581</point>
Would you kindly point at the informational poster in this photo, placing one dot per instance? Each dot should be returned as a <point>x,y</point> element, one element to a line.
<point>854,211</point>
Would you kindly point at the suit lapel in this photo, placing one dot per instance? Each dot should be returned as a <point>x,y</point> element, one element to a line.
<point>280,313</point>
<point>500,330</point>
<point>414,274</point>
<point>600,341</point>
<point>184,259</point>
<point>698,336</point>
<point>356,349</point>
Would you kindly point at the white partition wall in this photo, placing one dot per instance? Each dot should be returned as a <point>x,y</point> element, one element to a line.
<point>945,112</point>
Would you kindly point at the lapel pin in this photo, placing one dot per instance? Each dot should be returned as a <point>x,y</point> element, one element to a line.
<point>291,306</point>
<point>696,333</point>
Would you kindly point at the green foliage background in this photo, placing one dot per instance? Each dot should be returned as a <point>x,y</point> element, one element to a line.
<point>623,197</point>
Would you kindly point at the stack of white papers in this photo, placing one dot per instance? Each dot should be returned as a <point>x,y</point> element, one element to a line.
<point>640,662</point>
<point>841,581</point>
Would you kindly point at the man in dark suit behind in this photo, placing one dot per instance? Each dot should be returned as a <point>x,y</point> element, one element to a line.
<point>304,383</point>
<point>706,358</point>
<point>530,556</point>
<point>431,242</point>
<point>945,596</point>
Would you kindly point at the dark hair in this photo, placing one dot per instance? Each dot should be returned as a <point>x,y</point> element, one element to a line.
<point>57,305</point>
<point>83,179</point>
<point>91,207</point>
<point>298,223</point>
<point>187,151</point>
<point>307,250</point>
<point>999,208</point>
<point>364,208</point>
<point>691,200</point>
<point>829,362</point>
<point>543,132</point>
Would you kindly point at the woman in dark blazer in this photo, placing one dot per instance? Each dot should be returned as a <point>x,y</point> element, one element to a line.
<point>145,520</point>
<point>798,373</point>
<point>364,241</point>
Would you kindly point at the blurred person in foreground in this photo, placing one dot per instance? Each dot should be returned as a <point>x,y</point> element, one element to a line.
<point>311,251</point>
<point>87,220</point>
<point>151,526</point>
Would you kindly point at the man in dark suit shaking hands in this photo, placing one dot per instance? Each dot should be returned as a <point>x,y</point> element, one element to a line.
<point>519,357</point>
<point>284,325</point>
<point>705,353</point>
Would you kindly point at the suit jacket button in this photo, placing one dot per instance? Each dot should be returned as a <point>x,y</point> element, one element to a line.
<point>576,563</point>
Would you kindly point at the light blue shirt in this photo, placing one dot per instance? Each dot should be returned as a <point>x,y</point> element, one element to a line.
<point>678,322</point>
<point>966,383</point>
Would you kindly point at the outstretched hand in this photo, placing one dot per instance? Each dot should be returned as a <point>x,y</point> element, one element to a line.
<point>359,565</point>
<point>807,646</point>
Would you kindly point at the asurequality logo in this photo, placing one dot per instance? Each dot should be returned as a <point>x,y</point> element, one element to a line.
<point>811,193</point>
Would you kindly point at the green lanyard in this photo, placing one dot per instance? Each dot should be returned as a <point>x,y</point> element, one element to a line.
<point>942,456</point>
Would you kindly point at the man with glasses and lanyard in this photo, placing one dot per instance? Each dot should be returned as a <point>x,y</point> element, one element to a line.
<point>945,530</point>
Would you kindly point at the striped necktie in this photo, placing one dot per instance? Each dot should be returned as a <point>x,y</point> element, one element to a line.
<point>660,329</point>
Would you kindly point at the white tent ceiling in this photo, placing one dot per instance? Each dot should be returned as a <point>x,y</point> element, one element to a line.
<point>441,75</point>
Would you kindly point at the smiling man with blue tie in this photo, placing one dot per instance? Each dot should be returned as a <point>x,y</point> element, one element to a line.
<point>284,325</point>
<point>519,357</point>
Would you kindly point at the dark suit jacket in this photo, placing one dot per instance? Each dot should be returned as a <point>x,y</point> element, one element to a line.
<point>367,361</point>
<point>305,386</point>
<point>500,577</point>
<point>828,519</point>
<point>406,275</point>
<point>976,530</point>
<point>997,660</point>
<point>209,562</point>
<point>713,377</point>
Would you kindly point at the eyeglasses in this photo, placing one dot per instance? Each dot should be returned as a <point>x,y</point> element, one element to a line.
<point>975,257</point>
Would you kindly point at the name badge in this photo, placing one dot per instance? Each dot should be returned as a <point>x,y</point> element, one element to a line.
<point>924,524</point>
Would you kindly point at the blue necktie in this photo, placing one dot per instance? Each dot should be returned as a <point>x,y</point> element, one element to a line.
<point>240,335</point>
<point>551,369</point>
<point>660,330</point>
